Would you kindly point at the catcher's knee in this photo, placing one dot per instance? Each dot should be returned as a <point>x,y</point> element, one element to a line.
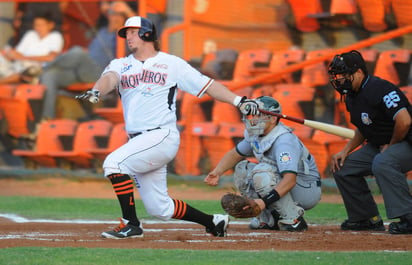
<point>242,175</point>
<point>265,178</point>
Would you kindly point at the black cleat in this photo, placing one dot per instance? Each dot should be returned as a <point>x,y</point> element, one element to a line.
<point>373,224</point>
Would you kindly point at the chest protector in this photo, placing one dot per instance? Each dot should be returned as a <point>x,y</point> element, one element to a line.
<point>261,145</point>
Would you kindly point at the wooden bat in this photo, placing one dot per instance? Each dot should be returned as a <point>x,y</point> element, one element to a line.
<point>322,126</point>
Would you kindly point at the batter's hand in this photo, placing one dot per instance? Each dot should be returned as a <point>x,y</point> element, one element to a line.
<point>212,179</point>
<point>92,95</point>
<point>248,106</point>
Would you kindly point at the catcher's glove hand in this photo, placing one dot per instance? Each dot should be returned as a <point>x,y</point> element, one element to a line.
<point>239,206</point>
<point>92,95</point>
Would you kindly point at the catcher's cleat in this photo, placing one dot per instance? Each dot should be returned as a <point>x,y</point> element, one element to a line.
<point>299,225</point>
<point>402,227</point>
<point>124,231</point>
<point>255,224</point>
<point>373,224</point>
<point>221,223</point>
<point>259,222</point>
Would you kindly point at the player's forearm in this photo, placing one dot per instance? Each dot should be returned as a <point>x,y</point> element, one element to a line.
<point>221,93</point>
<point>106,83</point>
<point>228,161</point>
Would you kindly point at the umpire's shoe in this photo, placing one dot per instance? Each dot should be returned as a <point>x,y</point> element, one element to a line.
<point>220,224</point>
<point>373,224</point>
<point>402,227</point>
<point>300,225</point>
<point>124,231</point>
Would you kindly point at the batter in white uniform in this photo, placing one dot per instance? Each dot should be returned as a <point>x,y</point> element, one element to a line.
<point>284,183</point>
<point>147,81</point>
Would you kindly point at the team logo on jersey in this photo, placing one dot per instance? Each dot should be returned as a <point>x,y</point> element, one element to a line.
<point>161,66</point>
<point>148,92</point>
<point>125,68</point>
<point>365,118</point>
<point>284,157</point>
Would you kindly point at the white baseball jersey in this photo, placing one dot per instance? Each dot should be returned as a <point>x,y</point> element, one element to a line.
<point>148,89</point>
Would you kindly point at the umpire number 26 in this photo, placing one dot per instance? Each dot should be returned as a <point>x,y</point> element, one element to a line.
<point>391,100</point>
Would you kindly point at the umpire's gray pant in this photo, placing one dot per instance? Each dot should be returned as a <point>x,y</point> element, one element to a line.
<point>389,169</point>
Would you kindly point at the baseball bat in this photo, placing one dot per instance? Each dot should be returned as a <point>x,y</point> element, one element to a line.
<point>322,126</point>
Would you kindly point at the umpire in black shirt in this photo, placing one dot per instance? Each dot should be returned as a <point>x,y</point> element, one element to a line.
<point>382,116</point>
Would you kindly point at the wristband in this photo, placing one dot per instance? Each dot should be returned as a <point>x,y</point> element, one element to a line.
<point>271,197</point>
<point>237,101</point>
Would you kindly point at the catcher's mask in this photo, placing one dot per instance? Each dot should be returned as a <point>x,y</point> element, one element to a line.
<point>147,30</point>
<point>256,124</point>
<point>342,68</point>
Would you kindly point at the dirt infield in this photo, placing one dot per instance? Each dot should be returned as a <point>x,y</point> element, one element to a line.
<point>16,232</point>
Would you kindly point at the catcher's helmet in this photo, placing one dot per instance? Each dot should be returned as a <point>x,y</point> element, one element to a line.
<point>269,104</point>
<point>147,30</point>
<point>256,124</point>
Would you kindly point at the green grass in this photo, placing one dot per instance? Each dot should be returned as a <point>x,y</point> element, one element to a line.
<point>83,256</point>
<point>108,209</point>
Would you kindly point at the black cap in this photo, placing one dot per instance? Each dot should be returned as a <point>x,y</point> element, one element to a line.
<point>347,63</point>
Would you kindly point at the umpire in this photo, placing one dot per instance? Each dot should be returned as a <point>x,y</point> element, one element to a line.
<point>382,116</point>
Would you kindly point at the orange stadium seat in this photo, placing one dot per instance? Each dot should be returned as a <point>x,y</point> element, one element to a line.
<point>290,96</point>
<point>18,109</point>
<point>116,138</point>
<point>249,60</point>
<point>86,138</point>
<point>402,11</point>
<point>302,11</point>
<point>112,114</point>
<point>394,65</point>
<point>315,74</point>
<point>373,14</point>
<point>282,59</point>
<point>50,138</point>
<point>407,90</point>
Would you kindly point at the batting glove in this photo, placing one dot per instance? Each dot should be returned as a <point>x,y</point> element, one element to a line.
<point>248,106</point>
<point>91,95</point>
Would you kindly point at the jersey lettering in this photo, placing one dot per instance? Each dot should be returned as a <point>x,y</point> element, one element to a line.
<point>148,77</point>
<point>391,100</point>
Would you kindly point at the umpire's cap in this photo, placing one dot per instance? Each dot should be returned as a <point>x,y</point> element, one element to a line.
<point>347,63</point>
<point>147,30</point>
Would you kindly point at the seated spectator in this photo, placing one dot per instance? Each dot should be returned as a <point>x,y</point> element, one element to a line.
<point>37,46</point>
<point>79,65</point>
<point>27,11</point>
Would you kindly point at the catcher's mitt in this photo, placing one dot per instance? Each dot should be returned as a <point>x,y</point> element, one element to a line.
<point>239,206</point>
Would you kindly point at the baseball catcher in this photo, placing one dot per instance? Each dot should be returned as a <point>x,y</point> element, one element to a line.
<point>276,191</point>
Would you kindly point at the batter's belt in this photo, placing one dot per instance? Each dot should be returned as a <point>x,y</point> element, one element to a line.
<point>132,135</point>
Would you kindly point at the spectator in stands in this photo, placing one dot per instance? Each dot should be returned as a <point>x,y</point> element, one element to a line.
<point>79,65</point>
<point>38,46</point>
<point>26,12</point>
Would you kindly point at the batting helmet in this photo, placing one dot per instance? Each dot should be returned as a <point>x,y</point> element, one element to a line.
<point>147,30</point>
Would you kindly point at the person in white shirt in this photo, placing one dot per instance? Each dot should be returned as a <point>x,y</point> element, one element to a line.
<point>37,47</point>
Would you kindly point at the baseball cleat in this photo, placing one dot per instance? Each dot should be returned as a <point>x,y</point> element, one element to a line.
<point>373,224</point>
<point>221,223</point>
<point>402,227</point>
<point>124,231</point>
<point>266,220</point>
<point>299,225</point>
